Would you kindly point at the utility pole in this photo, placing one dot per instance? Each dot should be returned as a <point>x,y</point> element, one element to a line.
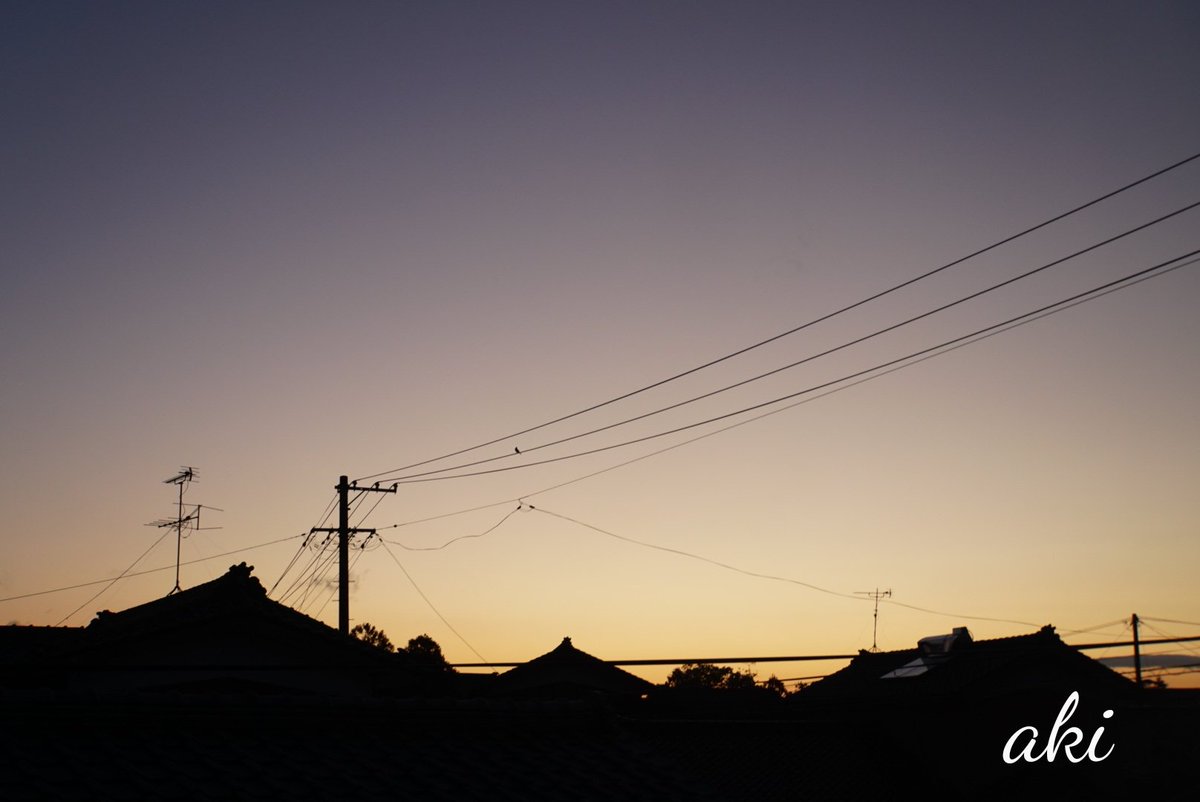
<point>876,594</point>
<point>1137,651</point>
<point>344,531</point>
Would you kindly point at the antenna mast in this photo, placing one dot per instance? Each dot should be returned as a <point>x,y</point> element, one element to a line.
<point>190,521</point>
<point>876,594</point>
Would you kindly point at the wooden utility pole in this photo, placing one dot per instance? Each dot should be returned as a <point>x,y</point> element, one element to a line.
<point>1137,651</point>
<point>344,531</point>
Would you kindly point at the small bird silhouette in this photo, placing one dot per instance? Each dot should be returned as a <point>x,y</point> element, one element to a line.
<point>516,449</point>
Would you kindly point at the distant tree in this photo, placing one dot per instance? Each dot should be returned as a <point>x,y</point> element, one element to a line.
<point>697,675</point>
<point>706,675</point>
<point>775,685</point>
<point>367,633</point>
<point>424,651</point>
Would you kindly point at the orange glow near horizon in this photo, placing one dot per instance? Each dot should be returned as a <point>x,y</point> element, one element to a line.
<point>281,257</point>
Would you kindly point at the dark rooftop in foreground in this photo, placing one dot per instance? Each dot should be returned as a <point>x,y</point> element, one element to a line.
<point>219,692</point>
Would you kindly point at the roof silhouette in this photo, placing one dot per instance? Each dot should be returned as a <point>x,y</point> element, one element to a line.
<point>235,595</point>
<point>224,634</point>
<point>568,672</point>
<point>957,665</point>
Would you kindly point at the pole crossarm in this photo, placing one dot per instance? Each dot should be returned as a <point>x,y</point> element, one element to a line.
<point>344,531</point>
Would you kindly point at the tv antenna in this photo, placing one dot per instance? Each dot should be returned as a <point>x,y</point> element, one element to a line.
<point>876,594</point>
<point>189,522</point>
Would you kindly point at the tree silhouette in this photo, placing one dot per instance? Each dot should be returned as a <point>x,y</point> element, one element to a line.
<point>425,652</point>
<point>706,675</point>
<point>775,685</point>
<point>369,634</point>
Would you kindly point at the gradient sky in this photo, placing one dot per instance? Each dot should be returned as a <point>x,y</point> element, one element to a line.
<point>286,241</point>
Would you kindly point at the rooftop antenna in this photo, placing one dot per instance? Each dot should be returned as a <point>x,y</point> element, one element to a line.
<point>182,522</point>
<point>876,594</point>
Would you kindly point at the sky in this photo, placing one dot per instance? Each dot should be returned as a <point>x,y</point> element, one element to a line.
<point>282,242</point>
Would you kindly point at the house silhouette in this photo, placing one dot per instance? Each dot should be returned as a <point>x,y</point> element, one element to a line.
<point>225,635</point>
<point>219,692</point>
<point>567,673</point>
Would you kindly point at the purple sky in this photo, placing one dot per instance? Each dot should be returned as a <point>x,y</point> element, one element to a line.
<point>285,241</point>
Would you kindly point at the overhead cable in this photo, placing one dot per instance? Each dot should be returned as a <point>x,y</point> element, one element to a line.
<point>807,359</point>
<point>771,577</point>
<point>115,579</point>
<point>881,366</point>
<point>487,531</point>
<point>421,593</point>
<point>971,341</point>
<point>798,328</point>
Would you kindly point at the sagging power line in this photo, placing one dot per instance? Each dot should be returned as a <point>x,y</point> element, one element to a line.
<point>1130,279</point>
<point>800,327</point>
<point>808,359</point>
<point>1017,323</point>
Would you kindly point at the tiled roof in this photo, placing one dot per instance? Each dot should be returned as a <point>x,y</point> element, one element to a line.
<point>568,671</point>
<point>221,635</point>
<point>983,668</point>
<point>237,593</point>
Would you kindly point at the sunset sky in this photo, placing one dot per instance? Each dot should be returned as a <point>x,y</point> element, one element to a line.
<point>282,242</point>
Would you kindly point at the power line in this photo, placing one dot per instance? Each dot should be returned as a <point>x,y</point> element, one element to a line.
<point>1129,279</point>
<point>1171,621</point>
<point>115,579</point>
<point>678,661</point>
<point>1159,632</point>
<point>692,556</point>
<point>1140,641</point>
<point>288,567</point>
<point>329,507</point>
<point>1123,622</point>
<point>798,328</point>
<point>303,576</point>
<point>311,575</point>
<point>148,570</point>
<point>440,516</point>
<point>315,570</point>
<point>356,503</point>
<point>308,571</point>
<point>485,532</point>
<point>881,374</point>
<point>771,577</point>
<point>334,590</point>
<point>421,593</point>
<point>1169,671</point>
<point>318,579</point>
<point>810,358</point>
<point>672,661</point>
<point>362,520</point>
